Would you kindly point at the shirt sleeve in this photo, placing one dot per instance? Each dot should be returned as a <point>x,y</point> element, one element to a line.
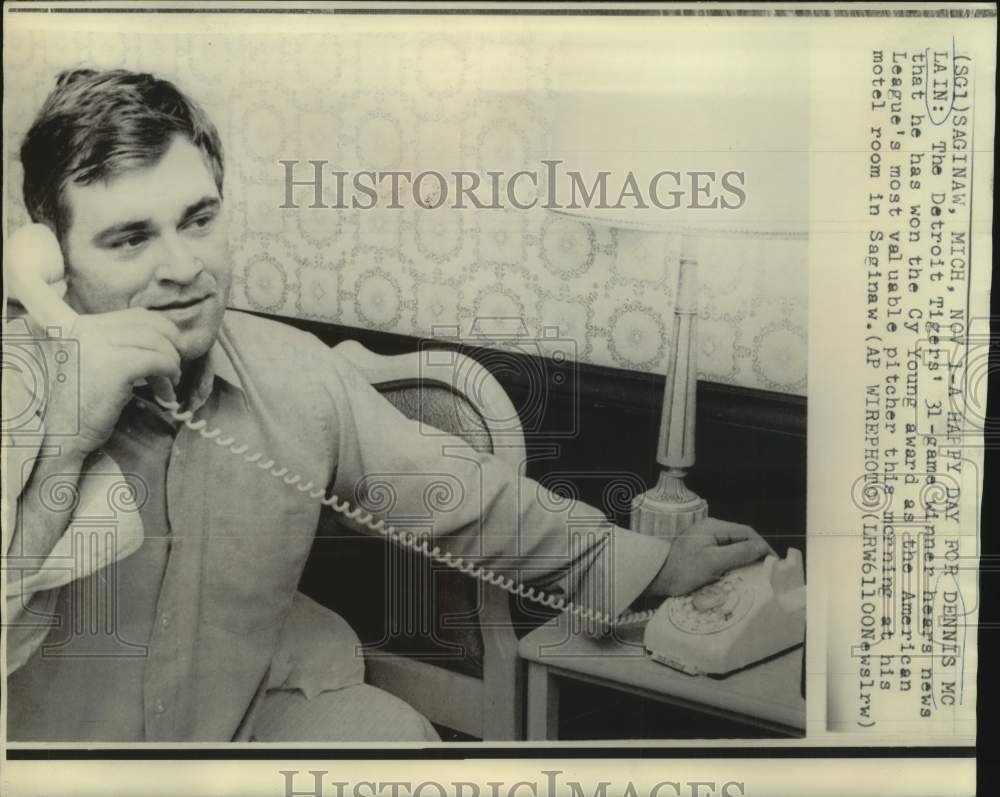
<point>31,586</point>
<point>477,506</point>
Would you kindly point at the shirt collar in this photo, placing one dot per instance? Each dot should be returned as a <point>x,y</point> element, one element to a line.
<point>216,364</point>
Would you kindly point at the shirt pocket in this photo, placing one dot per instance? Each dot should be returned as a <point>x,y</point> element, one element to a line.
<point>252,570</point>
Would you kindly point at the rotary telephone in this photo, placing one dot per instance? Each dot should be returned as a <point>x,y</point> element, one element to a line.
<point>749,614</point>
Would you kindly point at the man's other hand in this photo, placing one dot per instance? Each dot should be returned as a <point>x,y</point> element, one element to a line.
<point>706,552</point>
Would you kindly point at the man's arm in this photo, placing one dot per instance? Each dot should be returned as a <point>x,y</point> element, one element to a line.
<point>481,509</point>
<point>48,505</point>
<point>41,473</point>
<point>44,481</point>
<point>42,510</point>
<point>42,490</point>
<point>115,350</point>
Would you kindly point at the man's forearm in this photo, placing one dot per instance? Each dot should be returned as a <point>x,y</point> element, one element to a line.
<point>45,507</point>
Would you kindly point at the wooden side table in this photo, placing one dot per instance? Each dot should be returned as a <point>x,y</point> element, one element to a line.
<point>766,695</point>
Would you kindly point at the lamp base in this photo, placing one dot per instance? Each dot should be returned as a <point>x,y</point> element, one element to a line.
<point>668,509</point>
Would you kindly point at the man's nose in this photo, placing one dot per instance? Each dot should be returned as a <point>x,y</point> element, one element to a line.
<point>177,262</point>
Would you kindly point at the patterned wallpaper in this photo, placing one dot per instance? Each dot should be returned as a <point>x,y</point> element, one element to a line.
<point>363,99</point>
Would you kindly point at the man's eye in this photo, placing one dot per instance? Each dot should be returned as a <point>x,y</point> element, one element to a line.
<point>129,244</point>
<point>200,223</point>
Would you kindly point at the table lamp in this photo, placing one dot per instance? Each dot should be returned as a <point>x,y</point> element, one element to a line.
<point>648,113</point>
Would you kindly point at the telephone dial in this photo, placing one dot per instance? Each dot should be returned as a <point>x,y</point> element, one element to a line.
<point>749,614</point>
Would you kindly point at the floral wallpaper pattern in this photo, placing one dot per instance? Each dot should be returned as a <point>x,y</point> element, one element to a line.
<point>366,100</point>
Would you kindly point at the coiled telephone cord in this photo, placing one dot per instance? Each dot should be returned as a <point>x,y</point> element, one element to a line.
<point>405,539</point>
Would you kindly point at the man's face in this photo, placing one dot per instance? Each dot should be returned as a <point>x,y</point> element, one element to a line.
<point>152,237</point>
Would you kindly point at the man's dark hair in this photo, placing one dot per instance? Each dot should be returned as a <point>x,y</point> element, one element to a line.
<point>95,125</point>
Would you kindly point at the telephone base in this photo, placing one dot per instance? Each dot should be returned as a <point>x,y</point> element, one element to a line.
<point>748,615</point>
<point>673,664</point>
<point>689,669</point>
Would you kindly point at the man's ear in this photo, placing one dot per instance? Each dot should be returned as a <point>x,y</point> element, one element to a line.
<point>64,285</point>
<point>60,228</point>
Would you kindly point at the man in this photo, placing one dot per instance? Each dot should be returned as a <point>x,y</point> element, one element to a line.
<point>189,627</point>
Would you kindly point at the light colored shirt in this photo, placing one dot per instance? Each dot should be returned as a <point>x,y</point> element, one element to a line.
<point>108,621</point>
<point>164,619</point>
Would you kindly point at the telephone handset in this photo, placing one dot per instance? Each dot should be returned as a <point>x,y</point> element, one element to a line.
<point>34,271</point>
<point>34,266</point>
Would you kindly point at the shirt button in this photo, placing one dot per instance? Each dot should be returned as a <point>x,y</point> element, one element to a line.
<point>165,621</point>
<point>159,708</point>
